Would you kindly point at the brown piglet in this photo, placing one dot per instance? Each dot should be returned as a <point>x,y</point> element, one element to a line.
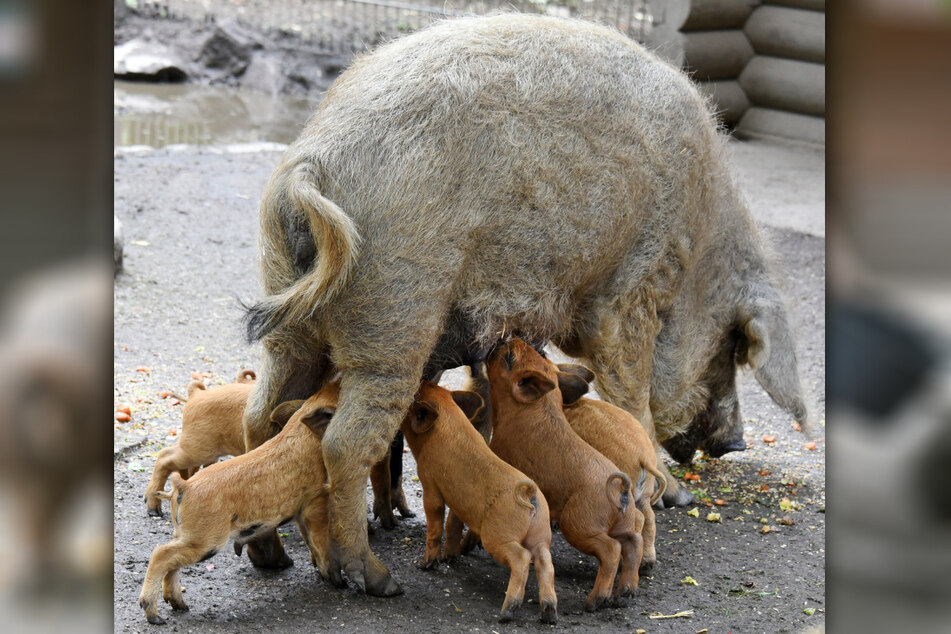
<point>620,438</point>
<point>251,494</point>
<point>457,469</point>
<point>587,494</point>
<point>211,428</point>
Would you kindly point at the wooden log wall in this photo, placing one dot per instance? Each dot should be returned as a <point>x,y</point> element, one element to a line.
<point>761,62</point>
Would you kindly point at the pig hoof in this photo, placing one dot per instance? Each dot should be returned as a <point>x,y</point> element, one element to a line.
<point>596,603</point>
<point>387,521</point>
<point>268,552</point>
<point>646,567</point>
<point>155,512</point>
<point>388,588</point>
<point>679,497</point>
<point>428,564</point>
<point>619,601</point>
<point>178,606</point>
<point>549,613</point>
<point>155,619</point>
<point>508,611</point>
<point>406,513</point>
<point>376,583</point>
<point>337,580</point>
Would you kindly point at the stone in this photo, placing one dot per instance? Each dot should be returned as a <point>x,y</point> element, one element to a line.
<point>141,59</point>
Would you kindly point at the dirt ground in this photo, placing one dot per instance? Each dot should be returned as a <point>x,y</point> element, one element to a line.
<point>190,219</point>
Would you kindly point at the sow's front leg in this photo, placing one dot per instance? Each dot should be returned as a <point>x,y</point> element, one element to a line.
<point>620,352</point>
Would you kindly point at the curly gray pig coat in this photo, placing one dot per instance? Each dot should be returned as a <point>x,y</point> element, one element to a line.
<point>486,175</point>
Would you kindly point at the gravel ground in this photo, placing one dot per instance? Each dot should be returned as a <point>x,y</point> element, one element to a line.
<point>190,219</point>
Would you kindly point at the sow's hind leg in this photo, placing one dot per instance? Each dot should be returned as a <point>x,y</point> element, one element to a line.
<point>380,379</point>
<point>282,378</point>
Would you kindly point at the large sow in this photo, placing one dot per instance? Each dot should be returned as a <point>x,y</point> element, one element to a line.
<point>500,174</point>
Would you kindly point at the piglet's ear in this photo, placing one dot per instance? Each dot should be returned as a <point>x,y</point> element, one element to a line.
<point>578,370</point>
<point>572,387</point>
<point>469,402</point>
<point>531,386</point>
<point>318,420</point>
<point>283,412</point>
<point>423,415</point>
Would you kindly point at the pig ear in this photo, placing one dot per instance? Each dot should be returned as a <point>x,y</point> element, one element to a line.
<point>572,387</point>
<point>769,349</point>
<point>283,412</point>
<point>318,420</point>
<point>578,370</point>
<point>531,386</point>
<point>469,402</point>
<point>423,415</point>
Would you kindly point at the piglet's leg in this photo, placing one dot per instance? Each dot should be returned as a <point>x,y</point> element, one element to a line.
<point>608,552</point>
<point>172,591</point>
<point>165,559</point>
<point>315,524</point>
<point>519,560</point>
<point>168,460</point>
<point>545,572</point>
<point>454,527</point>
<point>435,513</point>
<point>383,492</point>
<point>649,533</point>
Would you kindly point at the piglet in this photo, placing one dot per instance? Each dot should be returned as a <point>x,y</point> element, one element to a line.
<point>588,495</point>
<point>620,438</point>
<point>211,428</point>
<point>249,495</point>
<point>457,469</point>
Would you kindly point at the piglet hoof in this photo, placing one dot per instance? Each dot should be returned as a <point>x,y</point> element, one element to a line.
<point>177,605</point>
<point>646,567</point>
<point>387,520</point>
<point>427,563</point>
<point>549,613</point>
<point>155,512</point>
<point>267,552</point>
<point>619,600</point>
<point>155,619</point>
<point>592,604</point>
<point>278,563</point>
<point>508,611</point>
<point>399,503</point>
<point>678,497</point>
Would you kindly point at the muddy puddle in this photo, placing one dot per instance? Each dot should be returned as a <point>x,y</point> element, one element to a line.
<point>164,114</point>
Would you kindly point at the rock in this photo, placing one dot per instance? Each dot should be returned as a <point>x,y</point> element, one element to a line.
<point>116,244</point>
<point>306,74</point>
<point>264,74</point>
<point>228,49</point>
<point>140,59</point>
